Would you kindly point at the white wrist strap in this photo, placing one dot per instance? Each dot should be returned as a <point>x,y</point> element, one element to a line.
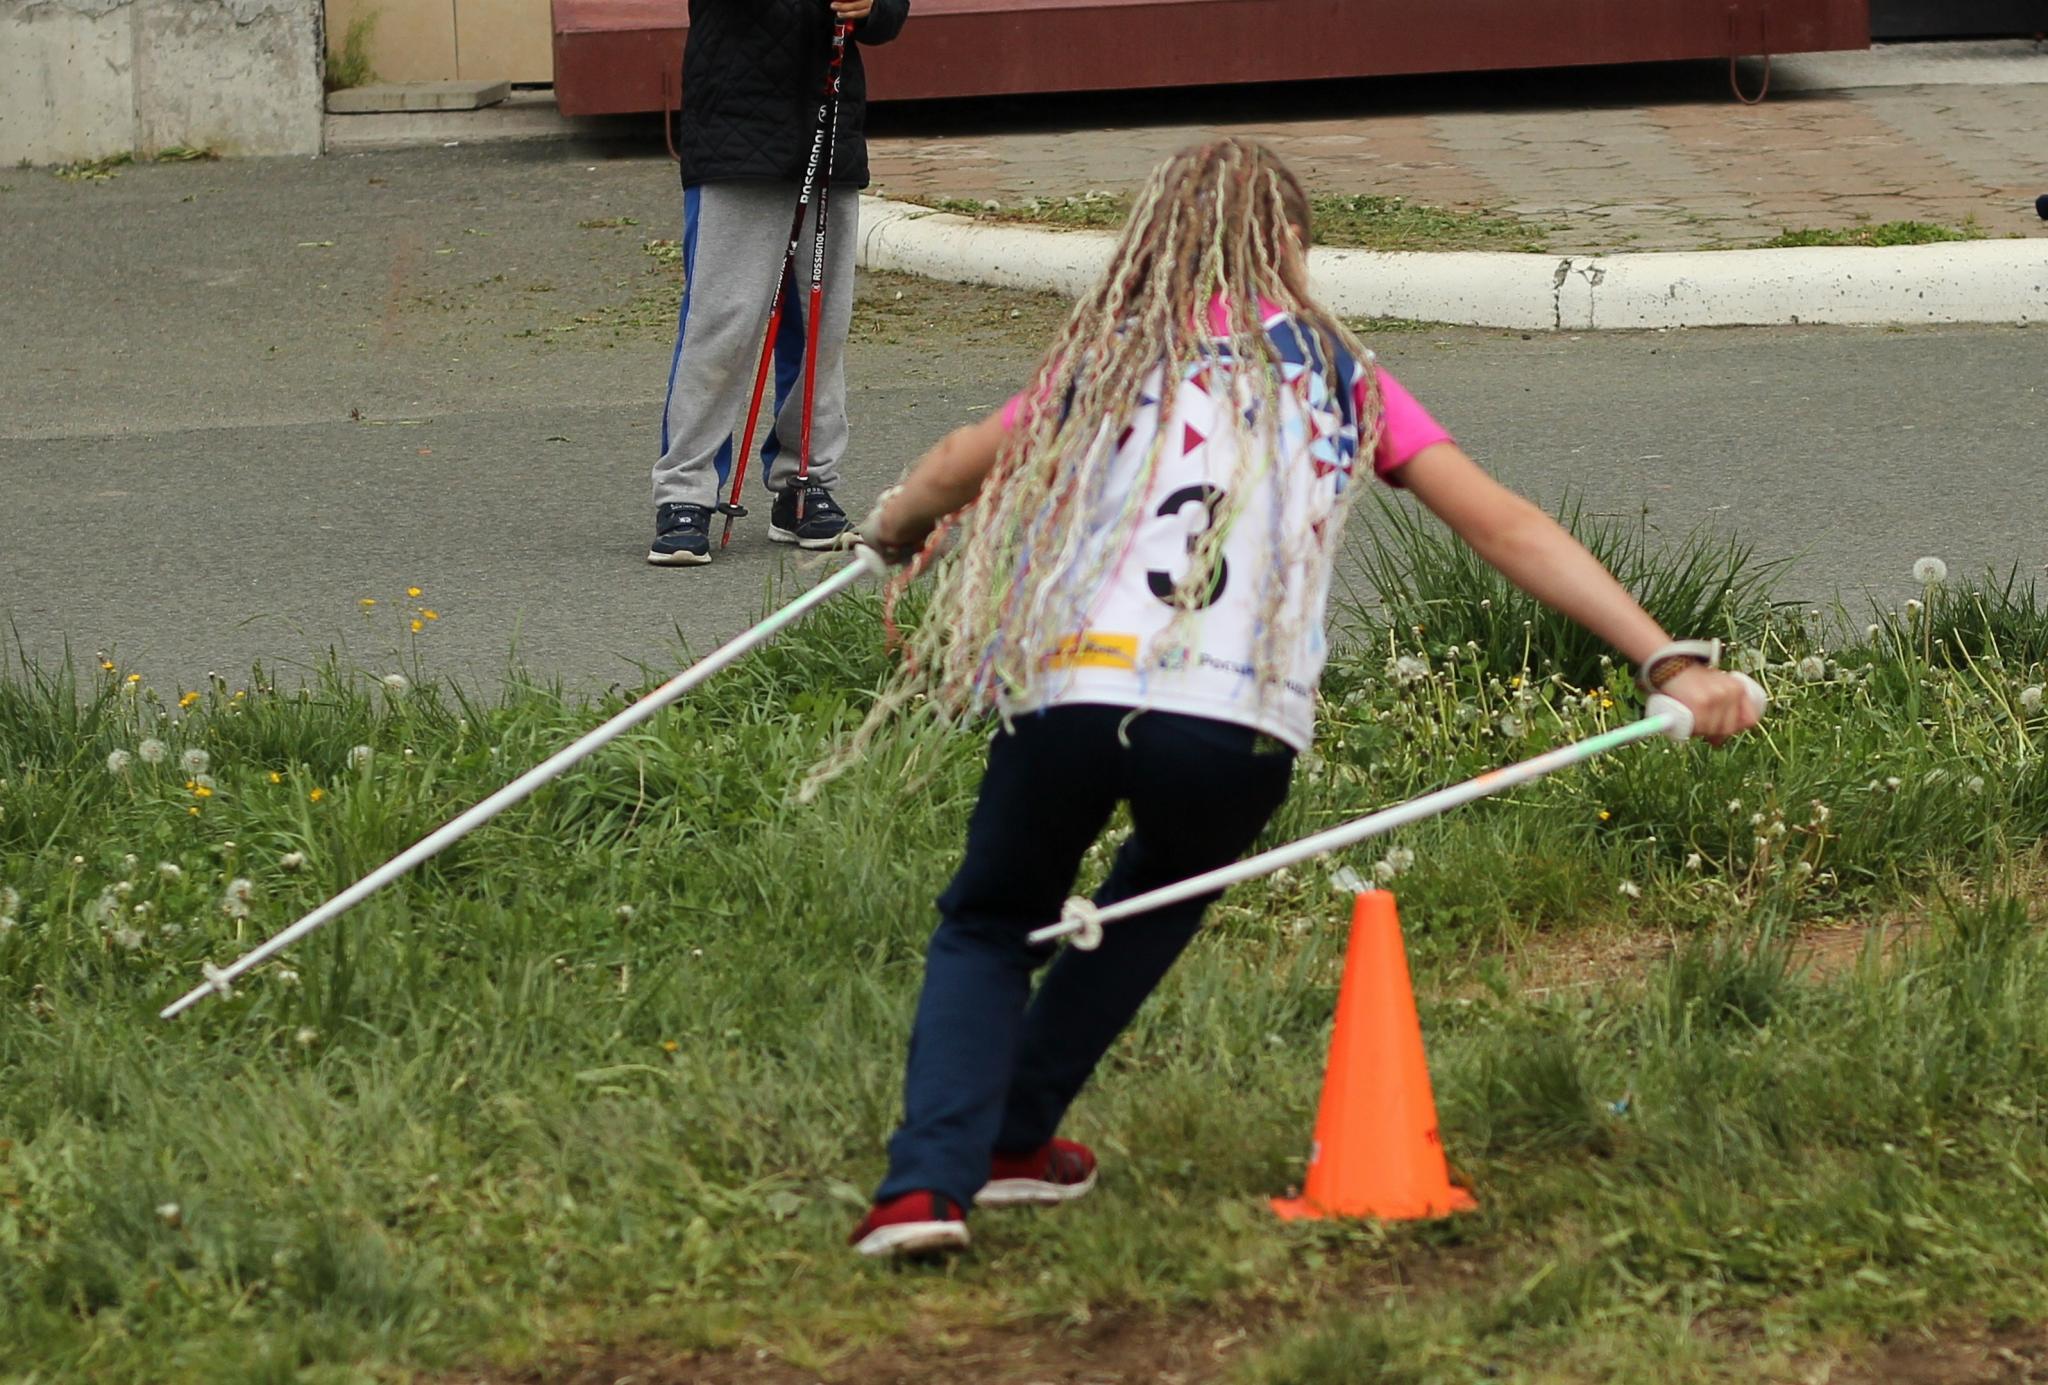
<point>1707,651</point>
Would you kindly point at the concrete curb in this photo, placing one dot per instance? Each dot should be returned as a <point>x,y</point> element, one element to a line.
<point>2002,281</point>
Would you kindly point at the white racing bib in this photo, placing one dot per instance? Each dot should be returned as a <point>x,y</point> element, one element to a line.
<point>1214,669</point>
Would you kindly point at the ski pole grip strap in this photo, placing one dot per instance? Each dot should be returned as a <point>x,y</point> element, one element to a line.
<point>1704,652</point>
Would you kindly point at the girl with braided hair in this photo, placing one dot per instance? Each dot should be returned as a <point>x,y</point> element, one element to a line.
<point>1138,589</point>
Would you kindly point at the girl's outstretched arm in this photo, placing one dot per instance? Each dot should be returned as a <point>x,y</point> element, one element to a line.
<point>1533,551</point>
<point>944,480</point>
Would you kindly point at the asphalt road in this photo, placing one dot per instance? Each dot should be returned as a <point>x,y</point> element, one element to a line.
<point>236,399</point>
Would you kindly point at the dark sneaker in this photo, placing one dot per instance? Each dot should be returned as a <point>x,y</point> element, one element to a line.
<point>682,536</point>
<point>1059,1172</point>
<point>913,1224</point>
<point>817,522</point>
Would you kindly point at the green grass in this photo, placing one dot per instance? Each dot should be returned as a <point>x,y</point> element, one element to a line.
<point>618,1068</point>
<point>350,65</point>
<point>1360,222</point>
<point>1882,233</point>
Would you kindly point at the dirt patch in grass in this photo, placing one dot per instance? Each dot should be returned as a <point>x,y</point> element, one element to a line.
<point>2008,1356</point>
<point>1136,1347</point>
<point>1114,1350</point>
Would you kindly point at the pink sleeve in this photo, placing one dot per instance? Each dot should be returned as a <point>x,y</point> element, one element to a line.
<point>1409,428</point>
<point>1013,411</point>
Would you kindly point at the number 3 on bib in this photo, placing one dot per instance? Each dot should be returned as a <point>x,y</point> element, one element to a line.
<point>1163,584</point>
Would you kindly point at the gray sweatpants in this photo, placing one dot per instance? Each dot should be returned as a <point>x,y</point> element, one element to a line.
<point>734,236</point>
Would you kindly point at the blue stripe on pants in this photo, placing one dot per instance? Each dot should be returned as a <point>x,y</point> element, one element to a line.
<point>693,199</point>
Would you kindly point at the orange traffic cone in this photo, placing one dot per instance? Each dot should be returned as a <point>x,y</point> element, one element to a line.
<point>1377,1152</point>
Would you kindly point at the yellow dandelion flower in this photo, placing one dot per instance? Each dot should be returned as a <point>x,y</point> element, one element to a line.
<point>276,778</point>
<point>1516,681</point>
<point>188,699</point>
<point>135,678</point>
<point>316,795</point>
<point>412,591</point>
<point>431,615</point>
<point>418,625</point>
<point>669,1045</point>
<point>201,791</point>
<point>106,665</point>
<point>193,810</point>
<point>367,602</point>
<point>1604,815</point>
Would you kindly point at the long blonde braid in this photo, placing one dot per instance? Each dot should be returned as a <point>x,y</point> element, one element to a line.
<point>1213,221</point>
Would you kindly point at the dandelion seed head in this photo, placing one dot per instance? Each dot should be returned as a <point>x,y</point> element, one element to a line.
<point>118,761</point>
<point>397,683</point>
<point>1975,783</point>
<point>624,913</point>
<point>307,1036</point>
<point>1631,889</point>
<point>195,761</point>
<point>127,939</point>
<point>1408,669</point>
<point>169,1214</point>
<point>1692,861</point>
<point>1928,571</point>
<point>2030,698</point>
<point>1813,668</point>
<point>1512,726</point>
<point>151,751</point>
<point>292,860</point>
<point>1892,781</point>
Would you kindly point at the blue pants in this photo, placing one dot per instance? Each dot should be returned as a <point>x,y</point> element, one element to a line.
<point>987,1071</point>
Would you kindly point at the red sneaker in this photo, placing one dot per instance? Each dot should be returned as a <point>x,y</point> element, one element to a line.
<point>1058,1172</point>
<point>913,1224</point>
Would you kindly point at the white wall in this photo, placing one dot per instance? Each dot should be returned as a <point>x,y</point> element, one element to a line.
<point>83,78</point>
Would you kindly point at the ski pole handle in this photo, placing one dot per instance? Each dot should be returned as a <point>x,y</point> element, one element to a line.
<point>1679,716</point>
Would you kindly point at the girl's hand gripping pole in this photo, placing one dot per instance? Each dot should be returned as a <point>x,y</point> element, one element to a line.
<point>1083,921</point>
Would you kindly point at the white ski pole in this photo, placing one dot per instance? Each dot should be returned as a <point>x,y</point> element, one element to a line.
<point>1082,920</point>
<point>218,979</point>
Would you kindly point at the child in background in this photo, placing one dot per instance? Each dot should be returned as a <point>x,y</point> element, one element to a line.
<point>1140,593</point>
<point>753,76</point>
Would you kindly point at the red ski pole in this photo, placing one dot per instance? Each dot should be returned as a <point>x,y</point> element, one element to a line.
<point>803,463</point>
<point>827,131</point>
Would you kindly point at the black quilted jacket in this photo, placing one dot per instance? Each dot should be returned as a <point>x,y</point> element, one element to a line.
<point>753,73</point>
